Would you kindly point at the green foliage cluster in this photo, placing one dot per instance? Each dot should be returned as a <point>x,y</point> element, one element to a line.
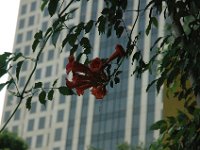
<point>10,141</point>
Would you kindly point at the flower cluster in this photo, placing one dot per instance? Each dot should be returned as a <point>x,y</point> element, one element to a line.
<point>92,75</point>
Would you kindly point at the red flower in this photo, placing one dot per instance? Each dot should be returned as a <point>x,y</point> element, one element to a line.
<point>119,52</point>
<point>70,64</point>
<point>96,65</point>
<point>99,92</point>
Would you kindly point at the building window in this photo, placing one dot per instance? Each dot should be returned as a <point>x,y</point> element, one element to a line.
<point>21,23</point>
<point>41,58</point>
<point>17,115</point>
<point>23,9</point>
<point>62,99</point>
<point>29,141</point>
<point>22,81</point>
<point>6,116</point>
<point>24,66</point>
<point>60,115</point>
<point>9,100</point>
<point>30,125</point>
<point>33,107</point>
<point>37,74</point>
<point>57,136</point>
<point>19,38</point>
<point>15,129</point>
<point>46,13</point>
<point>50,54</point>
<point>48,71</point>
<point>41,123</point>
<point>33,6</point>
<point>44,26</point>
<point>31,20</point>
<point>56,148</point>
<point>44,107</point>
<point>29,36</point>
<point>27,50</point>
<point>39,141</point>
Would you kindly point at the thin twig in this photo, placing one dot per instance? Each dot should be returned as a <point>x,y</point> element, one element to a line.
<point>14,82</point>
<point>11,115</point>
<point>137,17</point>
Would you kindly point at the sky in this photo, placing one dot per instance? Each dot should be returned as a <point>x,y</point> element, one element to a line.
<point>8,17</point>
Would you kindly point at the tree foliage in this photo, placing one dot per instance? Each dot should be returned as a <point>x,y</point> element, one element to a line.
<point>10,141</point>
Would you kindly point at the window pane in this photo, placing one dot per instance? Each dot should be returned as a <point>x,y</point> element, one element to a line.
<point>50,54</point>
<point>57,136</point>
<point>27,50</point>
<point>19,38</point>
<point>48,71</point>
<point>17,115</point>
<point>6,116</point>
<point>41,123</point>
<point>23,9</point>
<point>39,141</point>
<point>60,115</point>
<point>44,26</point>
<point>29,141</point>
<point>33,107</point>
<point>33,6</point>
<point>37,74</point>
<point>21,23</point>
<point>31,20</point>
<point>29,35</point>
<point>15,129</point>
<point>30,125</point>
<point>22,81</point>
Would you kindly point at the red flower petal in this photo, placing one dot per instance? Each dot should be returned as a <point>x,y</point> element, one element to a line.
<point>96,65</point>
<point>99,92</point>
<point>119,52</point>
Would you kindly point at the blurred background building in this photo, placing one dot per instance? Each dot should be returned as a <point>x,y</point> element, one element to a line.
<point>71,122</point>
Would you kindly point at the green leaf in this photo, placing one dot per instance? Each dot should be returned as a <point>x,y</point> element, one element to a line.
<point>52,7</point>
<point>3,60</point>
<point>42,97</point>
<point>65,90</point>
<point>89,26</point>
<point>111,84</point>
<point>105,11</point>
<point>50,94</point>
<point>28,103</point>
<point>102,24</point>
<point>38,85</point>
<point>2,72</point>
<point>3,84</point>
<point>159,125</point>
<point>54,83</point>
<point>150,84</point>
<point>119,31</point>
<point>148,28</point>
<point>86,44</point>
<point>72,39</point>
<point>35,44</point>
<point>55,37</point>
<point>117,80</point>
<point>73,49</point>
<point>38,35</point>
<point>19,65</point>
<point>17,55</point>
<point>154,21</point>
<point>44,3</point>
